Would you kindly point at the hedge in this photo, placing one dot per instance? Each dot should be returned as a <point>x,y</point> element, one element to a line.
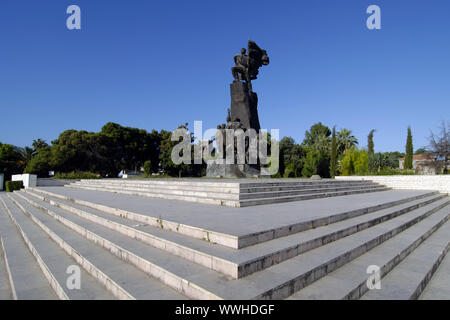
<point>76,175</point>
<point>11,186</point>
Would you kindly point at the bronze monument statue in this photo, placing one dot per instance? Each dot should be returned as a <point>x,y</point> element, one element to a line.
<point>243,114</point>
<point>244,102</point>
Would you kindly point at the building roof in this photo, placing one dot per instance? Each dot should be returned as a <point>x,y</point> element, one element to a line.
<point>418,157</point>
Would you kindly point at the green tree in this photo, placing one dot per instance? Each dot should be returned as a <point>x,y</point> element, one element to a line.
<point>39,144</point>
<point>345,140</point>
<point>383,160</point>
<point>291,155</point>
<point>355,162</point>
<point>40,164</point>
<point>166,155</point>
<point>131,147</point>
<point>409,151</point>
<point>362,163</point>
<point>11,160</point>
<point>26,154</point>
<point>317,145</point>
<point>316,134</point>
<point>81,151</point>
<point>333,160</point>
<point>421,151</point>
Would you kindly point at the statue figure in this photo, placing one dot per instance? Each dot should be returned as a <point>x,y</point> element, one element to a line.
<point>240,70</point>
<point>247,66</point>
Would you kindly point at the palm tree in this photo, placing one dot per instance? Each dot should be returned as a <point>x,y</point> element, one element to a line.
<point>322,144</point>
<point>345,140</point>
<point>26,154</point>
<point>38,144</point>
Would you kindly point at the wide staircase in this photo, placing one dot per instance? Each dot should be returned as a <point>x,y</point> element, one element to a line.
<point>231,193</point>
<point>134,247</point>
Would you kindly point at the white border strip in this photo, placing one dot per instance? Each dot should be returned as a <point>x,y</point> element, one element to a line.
<point>8,271</point>
<point>47,273</point>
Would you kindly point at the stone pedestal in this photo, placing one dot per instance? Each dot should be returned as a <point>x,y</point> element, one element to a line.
<point>244,105</point>
<point>243,115</point>
<point>232,171</point>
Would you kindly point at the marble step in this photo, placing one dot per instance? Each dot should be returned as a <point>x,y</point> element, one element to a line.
<point>230,200</point>
<point>228,189</point>
<point>350,281</point>
<point>156,263</point>
<point>26,279</point>
<point>294,274</point>
<point>236,196</point>
<point>438,288</point>
<point>52,259</point>
<point>120,279</point>
<point>204,200</point>
<point>228,261</point>
<point>225,194</point>
<point>287,187</point>
<point>195,220</point>
<point>409,278</point>
<point>221,183</point>
<point>302,197</point>
<point>276,282</point>
<point>223,187</point>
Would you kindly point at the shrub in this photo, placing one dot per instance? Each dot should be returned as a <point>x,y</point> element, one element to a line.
<point>277,175</point>
<point>316,162</point>
<point>290,171</point>
<point>148,167</point>
<point>394,172</point>
<point>13,185</point>
<point>355,162</point>
<point>76,175</point>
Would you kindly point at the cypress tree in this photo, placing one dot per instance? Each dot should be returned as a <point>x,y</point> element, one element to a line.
<point>333,154</point>
<point>371,150</point>
<point>409,151</point>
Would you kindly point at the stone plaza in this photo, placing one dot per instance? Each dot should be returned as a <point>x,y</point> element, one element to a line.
<point>224,239</point>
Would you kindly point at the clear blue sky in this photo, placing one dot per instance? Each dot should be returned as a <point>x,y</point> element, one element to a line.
<point>157,64</point>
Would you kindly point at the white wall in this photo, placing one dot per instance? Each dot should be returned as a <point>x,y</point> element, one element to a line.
<point>439,183</point>
<point>29,180</point>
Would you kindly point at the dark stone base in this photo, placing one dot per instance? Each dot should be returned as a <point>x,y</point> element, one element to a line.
<point>244,106</point>
<point>232,171</point>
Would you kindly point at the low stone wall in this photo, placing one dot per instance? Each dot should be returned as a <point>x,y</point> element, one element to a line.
<point>45,182</point>
<point>439,183</point>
